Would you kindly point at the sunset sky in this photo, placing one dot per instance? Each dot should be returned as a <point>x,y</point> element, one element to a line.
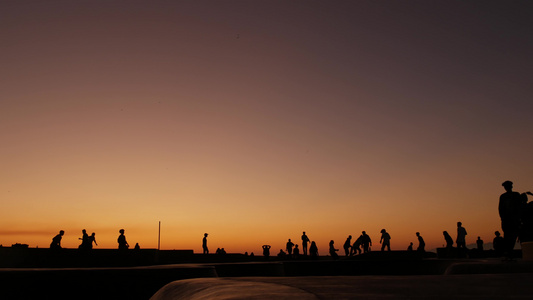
<point>256,120</point>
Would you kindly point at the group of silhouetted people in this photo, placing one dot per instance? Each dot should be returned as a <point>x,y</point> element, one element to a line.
<point>87,241</point>
<point>363,241</point>
<point>516,221</point>
<point>309,248</point>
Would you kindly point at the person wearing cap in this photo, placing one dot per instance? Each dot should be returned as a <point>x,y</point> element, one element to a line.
<point>510,208</point>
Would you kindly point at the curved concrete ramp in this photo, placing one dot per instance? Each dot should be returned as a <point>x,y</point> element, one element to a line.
<point>228,289</point>
<point>432,287</point>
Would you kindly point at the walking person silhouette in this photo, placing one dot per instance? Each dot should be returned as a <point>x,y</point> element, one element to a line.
<point>385,238</point>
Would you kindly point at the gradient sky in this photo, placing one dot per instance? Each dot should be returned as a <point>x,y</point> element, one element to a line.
<point>256,120</point>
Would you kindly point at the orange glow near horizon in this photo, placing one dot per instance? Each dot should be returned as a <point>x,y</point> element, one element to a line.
<point>255,121</point>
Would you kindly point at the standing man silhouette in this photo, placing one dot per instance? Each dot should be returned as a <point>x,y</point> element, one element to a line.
<point>204,244</point>
<point>385,238</point>
<point>122,244</point>
<point>305,240</point>
<point>84,240</point>
<point>366,241</point>
<point>510,207</point>
<point>461,236</point>
<point>421,243</point>
<point>289,247</point>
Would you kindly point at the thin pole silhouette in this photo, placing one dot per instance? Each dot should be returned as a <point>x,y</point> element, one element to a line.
<point>159,237</point>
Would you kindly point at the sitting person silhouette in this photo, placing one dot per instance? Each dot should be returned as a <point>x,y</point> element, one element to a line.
<point>296,251</point>
<point>282,254</point>
<point>266,251</point>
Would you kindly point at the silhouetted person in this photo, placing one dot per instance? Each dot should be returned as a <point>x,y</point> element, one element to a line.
<point>204,244</point>
<point>84,240</point>
<point>282,254</point>
<point>356,247</point>
<point>366,242</point>
<point>122,244</point>
<point>347,245</point>
<point>498,244</point>
<point>421,243</point>
<point>510,209</point>
<point>305,240</point>
<point>332,250</point>
<point>296,251</point>
<point>479,243</point>
<point>526,231</point>
<point>266,251</point>
<point>56,240</point>
<point>90,240</point>
<point>217,251</point>
<point>289,247</point>
<point>448,239</point>
<point>137,247</point>
<point>385,240</point>
<point>410,247</point>
<point>461,237</point>
<point>222,251</point>
<point>313,250</point>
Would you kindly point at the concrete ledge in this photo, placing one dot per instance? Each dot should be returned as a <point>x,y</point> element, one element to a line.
<point>94,283</point>
<point>490,267</point>
<point>250,269</point>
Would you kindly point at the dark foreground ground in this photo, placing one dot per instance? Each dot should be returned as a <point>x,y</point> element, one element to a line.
<point>362,278</point>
